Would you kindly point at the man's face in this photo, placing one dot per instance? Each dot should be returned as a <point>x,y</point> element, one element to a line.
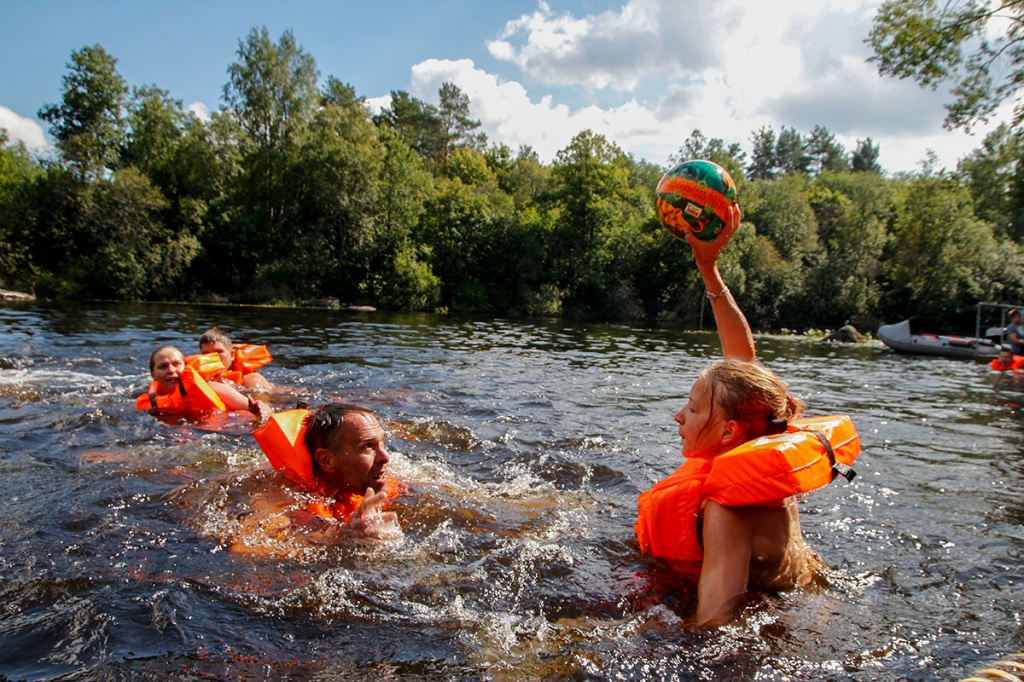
<point>357,459</point>
<point>168,365</point>
<point>221,349</point>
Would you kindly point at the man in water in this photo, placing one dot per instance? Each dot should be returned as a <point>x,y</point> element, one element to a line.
<point>333,489</point>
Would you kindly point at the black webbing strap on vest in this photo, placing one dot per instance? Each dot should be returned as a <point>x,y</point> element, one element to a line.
<point>838,468</point>
<point>152,396</point>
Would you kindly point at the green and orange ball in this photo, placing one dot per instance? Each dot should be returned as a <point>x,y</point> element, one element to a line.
<point>696,193</point>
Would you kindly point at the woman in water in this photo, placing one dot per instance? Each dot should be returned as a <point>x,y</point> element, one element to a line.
<point>736,548</point>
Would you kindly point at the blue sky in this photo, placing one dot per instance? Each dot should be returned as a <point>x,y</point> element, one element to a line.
<point>644,73</point>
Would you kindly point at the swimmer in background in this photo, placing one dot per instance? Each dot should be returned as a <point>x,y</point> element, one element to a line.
<point>177,387</point>
<point>333,490</point>
<point>757,548</point>
<point>214,340</point>
<point>1007,361</point>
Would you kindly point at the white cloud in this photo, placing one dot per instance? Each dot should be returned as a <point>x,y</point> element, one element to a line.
<point>27,130</point>
<point>201,111</point>
<point>615,49</point>
<point>649,73</point>
<point>726,68</point>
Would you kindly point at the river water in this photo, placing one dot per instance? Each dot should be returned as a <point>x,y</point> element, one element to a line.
<point>524,445</point>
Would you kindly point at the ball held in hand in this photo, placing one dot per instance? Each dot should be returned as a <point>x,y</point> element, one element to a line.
<point>696,193</point>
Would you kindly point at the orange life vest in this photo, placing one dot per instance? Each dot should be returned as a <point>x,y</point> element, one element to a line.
<point>762,472</point>
<point>248,358</point>
<point>210,366</point>
<point>1015,364</point>
<point>194,396</point>
<point>342,509</point>
<point>283,441</point>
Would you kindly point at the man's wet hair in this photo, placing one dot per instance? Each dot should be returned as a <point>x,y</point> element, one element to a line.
<point>323,425</point>
<point>214,335</point>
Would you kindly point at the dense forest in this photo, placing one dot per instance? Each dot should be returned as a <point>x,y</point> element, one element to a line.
<point>295,193</point>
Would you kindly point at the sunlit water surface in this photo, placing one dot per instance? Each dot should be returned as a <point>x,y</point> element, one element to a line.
<point>524,446</point>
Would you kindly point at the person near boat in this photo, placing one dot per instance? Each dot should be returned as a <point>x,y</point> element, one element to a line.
<point>1014,333</point>
<point>178,389</point>
<point>1007,361</point>
<point>745,543</point>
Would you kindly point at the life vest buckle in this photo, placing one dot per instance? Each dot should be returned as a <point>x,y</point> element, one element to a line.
<point>844,470</point>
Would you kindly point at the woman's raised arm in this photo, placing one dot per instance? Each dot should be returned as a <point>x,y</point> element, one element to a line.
<point>733,329</point>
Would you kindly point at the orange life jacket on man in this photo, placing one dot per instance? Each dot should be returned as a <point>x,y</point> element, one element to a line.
<point>194,396</point>
<point>1016,363</point>
<point>283,441</point>
<point>248,358</point>
<point>211,368</point>
<point>761,472</point>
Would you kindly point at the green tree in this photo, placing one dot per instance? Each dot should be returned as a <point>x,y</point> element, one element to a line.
<point>785,216</point>
<point>864,158</point>
<point>943,259</point>
<point>457,128</point>
<point>764,161</point>
<point>416,122</point>
<point>826,153</point>
<point>338,175</point>
<point>154,127</point>
<point>524,177</point>
<point>87,125</point>
<point>399,274</point>
<point>853,211</point>
<point>134,253</point>
<point>699,146</point>
<point>977,46</point>
<point>599,226</point>
<point>995,176</point>
<point>18,174</point>
<point>790,154</point>
<point>272,90</point>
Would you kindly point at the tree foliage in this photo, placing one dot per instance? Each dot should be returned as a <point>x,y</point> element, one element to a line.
<point>294,192</point>
<point>87,124</point>
<point>976,45</point>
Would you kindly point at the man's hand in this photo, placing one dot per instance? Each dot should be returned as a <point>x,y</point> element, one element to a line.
<point>370,521</point>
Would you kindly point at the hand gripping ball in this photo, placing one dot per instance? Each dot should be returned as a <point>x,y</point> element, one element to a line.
<point>698,194</point>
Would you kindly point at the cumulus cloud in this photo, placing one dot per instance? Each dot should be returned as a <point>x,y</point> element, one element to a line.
<point>647,74</point>
<point>615,49</point>
<point>26,130</point>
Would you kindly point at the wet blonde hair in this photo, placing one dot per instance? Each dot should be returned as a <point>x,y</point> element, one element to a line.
<point>752,395</point>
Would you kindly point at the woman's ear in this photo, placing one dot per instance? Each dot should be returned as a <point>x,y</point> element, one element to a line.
<point>732,434</point>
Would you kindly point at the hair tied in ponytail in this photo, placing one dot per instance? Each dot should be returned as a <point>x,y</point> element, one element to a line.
<point>776,426</point>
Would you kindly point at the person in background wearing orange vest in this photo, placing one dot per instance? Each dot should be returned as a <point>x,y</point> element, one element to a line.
<point>239,368</point>
<point>1007,361</point>
<point>177,388</point>
<point>734,548</point>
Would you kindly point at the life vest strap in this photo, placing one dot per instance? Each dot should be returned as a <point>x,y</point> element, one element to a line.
<point>838,468</point>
